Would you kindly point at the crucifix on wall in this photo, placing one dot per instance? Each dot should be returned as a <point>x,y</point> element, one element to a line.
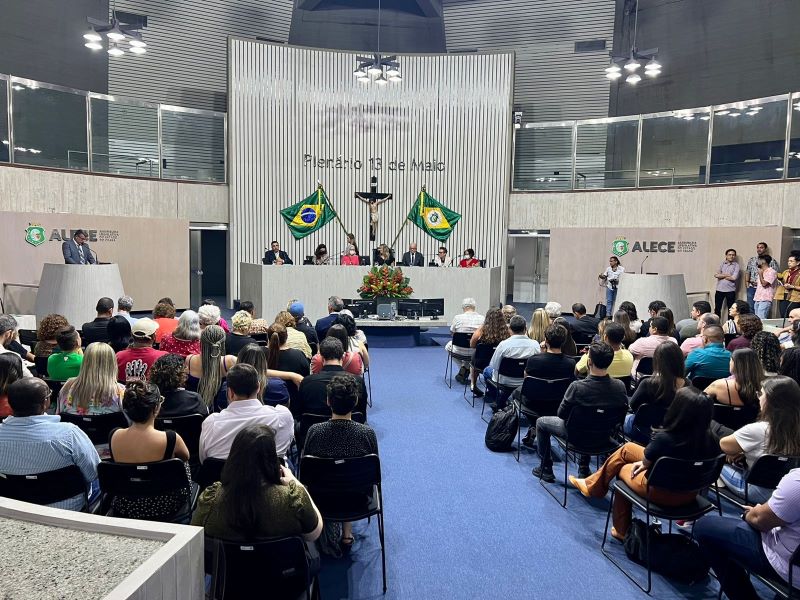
<point>373,200</point>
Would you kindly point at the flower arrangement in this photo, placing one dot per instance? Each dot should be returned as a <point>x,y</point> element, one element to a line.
<point>385,282</point>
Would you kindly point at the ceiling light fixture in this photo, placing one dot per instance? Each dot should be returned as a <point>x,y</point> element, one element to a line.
<point>121,35</point>
<point>633,78</point>
<point>631,61</point>
<point>377,67</point>
<point>114,50</point>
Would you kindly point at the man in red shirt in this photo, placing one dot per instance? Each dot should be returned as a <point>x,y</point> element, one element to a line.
<point>135,361</point>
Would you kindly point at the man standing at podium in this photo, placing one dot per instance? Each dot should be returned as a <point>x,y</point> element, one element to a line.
<point>76,251</point>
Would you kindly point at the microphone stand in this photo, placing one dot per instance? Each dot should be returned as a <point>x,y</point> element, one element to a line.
<point>641,267</point>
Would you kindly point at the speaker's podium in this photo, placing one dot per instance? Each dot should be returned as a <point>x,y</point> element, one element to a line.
<point>73,290</point>
<point>643,289</point>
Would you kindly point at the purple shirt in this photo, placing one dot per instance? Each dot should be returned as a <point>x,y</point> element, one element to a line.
<point>779,543</point>
<point>728,268</point>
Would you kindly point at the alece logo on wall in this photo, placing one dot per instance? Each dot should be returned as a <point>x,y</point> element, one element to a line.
<point>35,235</point>
<point>620,246</point>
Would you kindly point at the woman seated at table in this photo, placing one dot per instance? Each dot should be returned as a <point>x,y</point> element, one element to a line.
<point>257,497</point>
<point>469,260</point>
<point>685,435</point>
<point>321,255</point>
<point>351,257</point>
<point>775,432</point>
<point>95,390</point>
<point>142,443</point>
<point>169,375</point>
<point>384,256</point>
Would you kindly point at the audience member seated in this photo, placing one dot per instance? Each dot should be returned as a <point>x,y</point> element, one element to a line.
<point>142,443</point>
<point>119,333</point>
<point>711,359</point>
<point>209,314</point>
<point>518,345</point>
<point>134,362</point>
<point>636,322</point>
<point>97,330</point>
<point>207,372</point>
<point>671,329</point>
<point>508,311</point>
<point>335,304</point>
<point>185,339</point>
<point>768,350</point>
<point>553,310</point>
<point>598,389</point>
<point>690,327</point>
<point>244,408</point>
<point>222,322</point>
<point>8,333</point>
<point>491,332</point>
<point>258,497</point>
<point>466,322</point>
<point>775,432</point>
<point>273,388</point>
<point>168,374</point>
<point>761,542</point>
<point>646,347</point>
<point>784,334</point>
<point>742,388</point>
<point>164,315</point>
<point>124,308</point>
<point>356,338</point>
<point>539,324</point>
<point>303,325</point>
<point>67,361</point>
<point>569,348</point>
<point>696,341</point>
<point>95,390</point>
<point>658,390</point>
<point>652,310</point>
<point>685,435</point>
<point>47,344</point>
<point>748,326</point>
<point>34,442</point>
<point>294,337</point>
<point>740,307</point>
<point>621,366</point>
<point>584,326</point>
<point>313,390</point>
<point>10,371</point>
<point>238,338</point>
<point>341,437</point>
<point>623,318</point>
<point>257,326</point>
<point>282,358</point>
<point>790,363</point>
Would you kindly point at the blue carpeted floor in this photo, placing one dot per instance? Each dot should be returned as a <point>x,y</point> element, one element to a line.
<point>463,522</point>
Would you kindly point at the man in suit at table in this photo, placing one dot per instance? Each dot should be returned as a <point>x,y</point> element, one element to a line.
<point>412,258</point>
<point>276,256</point>
<point>76,251</point>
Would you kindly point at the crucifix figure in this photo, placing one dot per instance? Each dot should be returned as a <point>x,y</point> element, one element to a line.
<point>373,199</point>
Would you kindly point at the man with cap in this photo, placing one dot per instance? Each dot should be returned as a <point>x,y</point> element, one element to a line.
<point>302,323</point>
<point>135,361</point>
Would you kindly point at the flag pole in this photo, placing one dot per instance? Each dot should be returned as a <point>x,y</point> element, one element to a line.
<point>405,221</point>
<point>335,214</point>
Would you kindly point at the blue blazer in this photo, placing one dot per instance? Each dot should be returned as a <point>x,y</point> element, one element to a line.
<point>269,257</point>
<point>71,255</point>
<point>323,324</point>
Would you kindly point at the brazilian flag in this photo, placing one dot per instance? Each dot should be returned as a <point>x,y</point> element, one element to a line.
<point>433,217</point>
<point>308,215</point>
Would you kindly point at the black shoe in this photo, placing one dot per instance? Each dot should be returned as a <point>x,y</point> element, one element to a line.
<point>494,407</point>
<point>545,474</point>
<point>476,391</point>
<point>529,441</point>
<point>461,379</point>
<point>584,472</point>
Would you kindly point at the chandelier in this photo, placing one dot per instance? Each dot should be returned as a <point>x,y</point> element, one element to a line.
<point>632,61</point>
<point>122,37</point>
<point>377,67</point>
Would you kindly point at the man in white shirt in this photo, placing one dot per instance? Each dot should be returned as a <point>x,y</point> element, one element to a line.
<point>519,345</point>
<point>466,322</point>
<point>244,408</point>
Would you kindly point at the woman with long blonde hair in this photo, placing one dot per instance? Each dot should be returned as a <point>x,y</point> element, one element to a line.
<point>540,321</point>
<point>95,390</point>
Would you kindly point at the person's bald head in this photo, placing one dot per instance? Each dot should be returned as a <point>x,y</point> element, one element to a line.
<point>707,320</point>
<point>713,334</point>
<point>794,315</point>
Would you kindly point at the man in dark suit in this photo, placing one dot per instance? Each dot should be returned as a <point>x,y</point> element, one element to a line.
<point>97,330</point>
<point>335,304</point>
<point>584,327</point>
<point>412,258</point>
<point>76,251</point>
<point>313,393</point>
<point>276,256</point>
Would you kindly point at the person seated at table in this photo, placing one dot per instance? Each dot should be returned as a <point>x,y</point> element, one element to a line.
<point>384,256</point>
<point>47,344</point>
<point>712,359</point>
<point>341,437</point>
<point>321,256</point>
<point>120,335</point>
<point>351,257</point>
<point>185,339</point>
<point>95,390</point>
<point>412,258</point>
<point>739,307</point>
<point>238,338</point>
<point>67,361</point>
<point>10,371</point>
<point>621,366</point>
<point>469,261</point>
<point>775,432</point>
<point>142,443</point>
<point>257,496</point>
<point>442,259</point>
<point>352,362</point>
<point>685,435</point>
<point>748,326</point>
<point>169,375</point>
<point>276,256</point>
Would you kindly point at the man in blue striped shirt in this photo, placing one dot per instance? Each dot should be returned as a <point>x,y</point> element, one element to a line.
<point>33,442</point>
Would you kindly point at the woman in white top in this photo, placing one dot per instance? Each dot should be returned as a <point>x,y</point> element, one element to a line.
<point>611,277</point>
<point>776,432</point>
<point>442,259</point>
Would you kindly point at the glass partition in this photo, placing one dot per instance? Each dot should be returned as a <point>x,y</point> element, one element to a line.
<point>749,140</point>
<point>674,148</point>
<point>4,141</point>
<point>605,154</point>
<point>49,126</point>
<point>124,138</point>
<point>192,145</point>
<point>543,157</point>
<point>793,166</point>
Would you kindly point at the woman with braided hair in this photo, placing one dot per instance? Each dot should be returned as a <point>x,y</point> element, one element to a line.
<point>206,371</point>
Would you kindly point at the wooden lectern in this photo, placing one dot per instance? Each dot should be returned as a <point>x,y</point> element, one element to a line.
<point>643,289</point>
<point>73,290</point>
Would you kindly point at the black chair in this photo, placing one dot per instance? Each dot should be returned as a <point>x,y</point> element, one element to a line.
<point>539,398</point>
<point>779,586</point>
<point>675,475</point>
<point>210,472</point>
<point>628,381</point>
<point>259,337</point>
<point>645,366</point>
<point>647,417</point>
<point>28,337</point>
<point>735,417</point>
<point>346,489</point>
<point>460,343</point>
<point>509,367</point>
<point>766,472</point>
<point>40,362</point>
<point>280,567</point>
<point>189,428</point>
<point>306,421</point>
<point>55,389</point>
<point>479,361</point>
<point>368,381</point>
<point>146,480</point>
<point>582,339</point>
<point>44,488</point>
<point>591,430</point>
<point>97,427</point>
<point>729,337</point>
<point>701,383</point>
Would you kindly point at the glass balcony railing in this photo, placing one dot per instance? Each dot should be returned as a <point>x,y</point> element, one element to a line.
<point>755,140</point>
<point>55,127</point>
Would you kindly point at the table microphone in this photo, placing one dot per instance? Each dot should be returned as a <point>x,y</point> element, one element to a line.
<point>641,267</point>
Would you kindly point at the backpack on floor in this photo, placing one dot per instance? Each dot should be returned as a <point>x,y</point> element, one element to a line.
<point>673,555</point>
<point>502,430</point>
